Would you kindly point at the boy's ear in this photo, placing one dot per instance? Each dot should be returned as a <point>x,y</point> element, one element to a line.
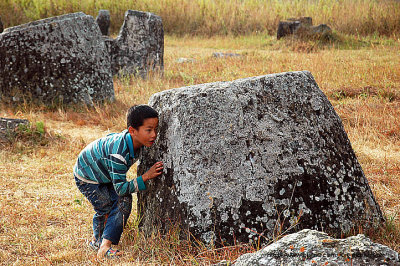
<point>131,130</point>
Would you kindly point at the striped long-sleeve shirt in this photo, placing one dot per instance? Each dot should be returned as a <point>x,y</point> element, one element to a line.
<point>108,159</point>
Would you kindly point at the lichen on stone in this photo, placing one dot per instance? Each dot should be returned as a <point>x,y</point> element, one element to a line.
<point>58,59</point>
<point>266,150</point>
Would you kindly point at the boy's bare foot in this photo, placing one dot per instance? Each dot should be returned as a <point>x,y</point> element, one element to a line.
<point>105,250</point>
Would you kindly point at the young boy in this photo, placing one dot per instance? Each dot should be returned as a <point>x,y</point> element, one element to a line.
<point>100,174</point>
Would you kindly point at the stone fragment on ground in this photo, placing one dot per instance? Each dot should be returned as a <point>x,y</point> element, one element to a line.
<point>182,60</point>
<point>310,247</point>
<point>103,20</point>
<point>222,55</point>
<point>242,157</point>
<point>139,47</point>
<point>9,124</point>
<point>59,59</point>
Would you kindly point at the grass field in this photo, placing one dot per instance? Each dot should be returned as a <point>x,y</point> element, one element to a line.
<point>228,17</point>
<point>45,220</point>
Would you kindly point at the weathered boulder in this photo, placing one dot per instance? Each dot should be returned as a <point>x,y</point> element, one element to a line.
<point>302,28</point>
<point>103,20</point>
<point>243,157</point>
<point>139,47</point>
<point>310,247</point>
<point>1,26</point>
<point>62,59</point>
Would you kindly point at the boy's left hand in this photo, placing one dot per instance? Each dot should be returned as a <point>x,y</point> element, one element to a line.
<point>154,171</point>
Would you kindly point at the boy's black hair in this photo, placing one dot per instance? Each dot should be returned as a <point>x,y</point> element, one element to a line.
<point>138,113</point>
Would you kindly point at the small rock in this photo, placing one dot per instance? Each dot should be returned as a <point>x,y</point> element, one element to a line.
<point>185,60</point>
<point>223,263</point>
<point>9,124</point>
<point>222,55</point>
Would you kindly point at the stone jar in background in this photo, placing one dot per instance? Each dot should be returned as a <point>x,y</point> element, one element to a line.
<point>139,47</point>
<point>60,59</point>
<point>302,28</point>
<point>103,20</point>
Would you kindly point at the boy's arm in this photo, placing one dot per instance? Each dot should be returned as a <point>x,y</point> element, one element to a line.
<point>118,176</point>
<point>118,169</point>
<point>124,187</point>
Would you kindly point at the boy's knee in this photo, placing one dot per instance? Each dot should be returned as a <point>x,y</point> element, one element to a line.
<point>103,207</point>
<point>103,204</point>
<point>125,204</point>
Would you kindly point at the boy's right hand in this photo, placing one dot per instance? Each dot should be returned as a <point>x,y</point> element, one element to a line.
<point>154,171</point>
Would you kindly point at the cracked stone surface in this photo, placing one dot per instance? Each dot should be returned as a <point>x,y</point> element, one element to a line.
<point>242,156</point>
<point>58,59</point>
<point>310,247</point>
<point>139,47</point>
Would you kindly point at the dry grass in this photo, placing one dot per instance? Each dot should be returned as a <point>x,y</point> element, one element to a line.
<point>44,219</point>
<point>234,17</point>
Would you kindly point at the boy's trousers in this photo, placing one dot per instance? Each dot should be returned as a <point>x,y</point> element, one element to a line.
<point>112,211</point>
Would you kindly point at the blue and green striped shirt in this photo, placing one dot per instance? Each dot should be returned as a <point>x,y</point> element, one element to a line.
<point>107,160</point>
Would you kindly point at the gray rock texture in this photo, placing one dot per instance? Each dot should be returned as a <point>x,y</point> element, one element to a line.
<point>59,59</point>
<point>103,20</point>
<point>310,247</point>
<point>182,60</point>
<point>9,124</point>
<point>302,28</point>
<point>222,55</point>
<point>242,157</point>
<point>139,47</point>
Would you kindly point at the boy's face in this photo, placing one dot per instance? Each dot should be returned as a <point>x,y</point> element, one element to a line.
<point>146,134</point>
